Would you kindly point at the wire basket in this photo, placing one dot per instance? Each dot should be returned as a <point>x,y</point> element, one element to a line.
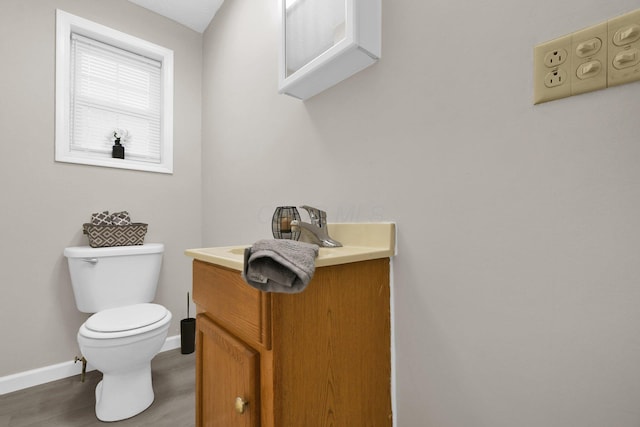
<point>281,223</point>
<point>101,236</point>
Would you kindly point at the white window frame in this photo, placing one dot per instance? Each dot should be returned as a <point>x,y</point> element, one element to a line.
<point>66,24</point>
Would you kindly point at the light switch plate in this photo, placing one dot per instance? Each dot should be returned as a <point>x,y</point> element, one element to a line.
<point>624,49</point>
<point>603,55</point>
<point>589,59</point>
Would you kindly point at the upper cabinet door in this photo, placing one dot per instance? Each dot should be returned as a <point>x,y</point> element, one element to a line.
<point>325,41</point>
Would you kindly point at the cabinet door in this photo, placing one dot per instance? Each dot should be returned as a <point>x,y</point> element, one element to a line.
<point>227,379</point>
<point>325,41</point>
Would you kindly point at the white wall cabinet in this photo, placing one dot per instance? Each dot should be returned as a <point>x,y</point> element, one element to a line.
<point>326,41</point>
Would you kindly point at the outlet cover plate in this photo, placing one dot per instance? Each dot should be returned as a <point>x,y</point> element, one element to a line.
<point>549,58</point>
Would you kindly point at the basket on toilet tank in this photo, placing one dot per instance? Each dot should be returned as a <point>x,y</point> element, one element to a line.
<point>101,236</point>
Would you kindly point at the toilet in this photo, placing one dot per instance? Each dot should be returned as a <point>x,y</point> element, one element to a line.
<point>118,284</point>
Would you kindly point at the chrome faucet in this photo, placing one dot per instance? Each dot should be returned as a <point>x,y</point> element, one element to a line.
<point>316,232</point>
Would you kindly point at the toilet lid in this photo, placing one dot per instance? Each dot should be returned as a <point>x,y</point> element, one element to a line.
<point>126,318</point>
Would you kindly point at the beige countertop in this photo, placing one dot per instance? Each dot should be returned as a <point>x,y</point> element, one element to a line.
<point>361,242</point>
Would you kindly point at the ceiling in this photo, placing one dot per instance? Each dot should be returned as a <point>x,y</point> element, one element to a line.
<point>195,14</point>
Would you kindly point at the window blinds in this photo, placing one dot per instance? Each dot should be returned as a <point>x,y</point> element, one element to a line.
<point>112,88</point>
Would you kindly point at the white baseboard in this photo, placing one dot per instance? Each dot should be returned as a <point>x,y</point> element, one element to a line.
<point>26,379</point>
<point>171,343</point>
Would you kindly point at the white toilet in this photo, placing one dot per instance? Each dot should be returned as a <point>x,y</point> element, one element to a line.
<point>127,331</point>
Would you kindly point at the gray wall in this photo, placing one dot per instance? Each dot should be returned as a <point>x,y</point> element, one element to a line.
<point>517,297</point>
<point>44,203</point>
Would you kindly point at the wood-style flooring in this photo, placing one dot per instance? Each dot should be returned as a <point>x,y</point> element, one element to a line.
<point>71,403</point>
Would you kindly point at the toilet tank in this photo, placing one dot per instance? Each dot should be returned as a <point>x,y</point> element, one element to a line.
<point>116,276</point>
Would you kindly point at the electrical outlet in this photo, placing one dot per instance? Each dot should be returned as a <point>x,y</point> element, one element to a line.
<point>624,49</point>
<point>555,57</point>
<point>555,78</point>
<point>551,65</point>
<point>589,59</point>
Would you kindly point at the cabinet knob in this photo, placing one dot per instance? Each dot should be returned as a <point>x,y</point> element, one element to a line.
<point>240,405</point>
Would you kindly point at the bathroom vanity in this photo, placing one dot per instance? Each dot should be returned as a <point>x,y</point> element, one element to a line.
<point>320,357</point>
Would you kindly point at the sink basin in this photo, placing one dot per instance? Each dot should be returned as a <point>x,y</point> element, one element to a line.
<point>237,251</point>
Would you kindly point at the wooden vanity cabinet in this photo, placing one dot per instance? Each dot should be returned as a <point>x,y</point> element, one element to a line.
<point>318,358</point>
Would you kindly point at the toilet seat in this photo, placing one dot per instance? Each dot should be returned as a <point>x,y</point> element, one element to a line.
<point>125,321</point>
<point>126,318</point>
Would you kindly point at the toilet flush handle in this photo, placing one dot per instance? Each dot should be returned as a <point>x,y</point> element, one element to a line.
<point>90,260</point>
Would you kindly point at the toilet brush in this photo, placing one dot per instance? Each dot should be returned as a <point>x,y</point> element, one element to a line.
<point>187,332</point>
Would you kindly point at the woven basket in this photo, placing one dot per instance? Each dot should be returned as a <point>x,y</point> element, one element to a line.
<point>101,236</point>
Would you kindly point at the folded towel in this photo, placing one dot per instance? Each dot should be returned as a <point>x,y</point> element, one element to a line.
<point>280,265</point>
<point>100,218</point>
<point>120,218</point>
<point>116,218</point>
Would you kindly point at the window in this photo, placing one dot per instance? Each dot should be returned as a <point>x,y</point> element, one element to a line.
<point>107,80</point>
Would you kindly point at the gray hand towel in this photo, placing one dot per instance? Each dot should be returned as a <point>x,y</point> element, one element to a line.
<point>280,265</point>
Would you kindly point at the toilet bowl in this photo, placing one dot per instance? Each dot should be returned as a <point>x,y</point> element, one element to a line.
<point>120,343</point>
<point>127,330</point>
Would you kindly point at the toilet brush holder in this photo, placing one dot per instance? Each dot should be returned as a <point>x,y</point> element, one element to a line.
<point>187,335</point>
<point>187,332</point>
